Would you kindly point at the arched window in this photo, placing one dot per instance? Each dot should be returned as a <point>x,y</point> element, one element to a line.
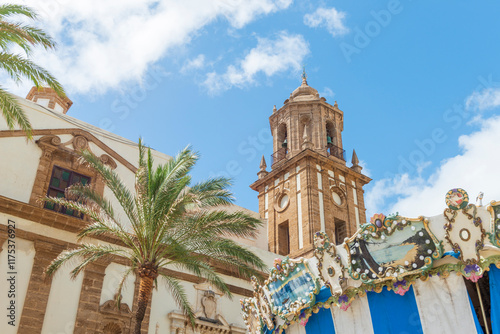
<point>331,134</point>
<point>282,137</point>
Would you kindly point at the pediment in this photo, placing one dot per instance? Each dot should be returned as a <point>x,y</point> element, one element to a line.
<point>51,139</point>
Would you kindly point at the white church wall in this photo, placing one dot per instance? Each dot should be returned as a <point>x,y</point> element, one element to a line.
<point>25,254</point>
<point>18,166</point>
<point>113,275</point>
<point>62,306</point>
<point>162,304</point>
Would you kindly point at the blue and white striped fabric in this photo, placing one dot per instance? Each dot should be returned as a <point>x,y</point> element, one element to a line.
<point>435,306</point>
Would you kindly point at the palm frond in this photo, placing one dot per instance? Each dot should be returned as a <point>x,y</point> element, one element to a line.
<point>142,185</point>
<point>24,36</point>
<point>213,192</point>
<point>79,191</point>
<point>112,180</point>
<point>222,223</point>
<point>179,294</point>
<point>18,67</point>
<point>12,9</point>
<point>13,113</point>
<point>102,223</point>
<point>121,286</point>
<point>90,254</point>
<point>174,179</point>
<point>233,256</point>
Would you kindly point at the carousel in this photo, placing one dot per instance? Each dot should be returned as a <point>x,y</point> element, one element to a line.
<point>394,275</point>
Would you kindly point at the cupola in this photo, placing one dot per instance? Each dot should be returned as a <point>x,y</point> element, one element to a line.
<point>48,98</point>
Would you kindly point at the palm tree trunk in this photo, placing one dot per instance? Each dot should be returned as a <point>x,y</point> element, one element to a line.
<point>145,288</point>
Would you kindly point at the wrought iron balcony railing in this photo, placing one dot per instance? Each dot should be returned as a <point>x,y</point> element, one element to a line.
<point>278,155</point>
<point>336,151</point>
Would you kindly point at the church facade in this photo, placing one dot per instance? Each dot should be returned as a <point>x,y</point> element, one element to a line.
<point>32,234</point>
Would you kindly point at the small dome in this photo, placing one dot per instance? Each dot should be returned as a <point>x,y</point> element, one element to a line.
<point>304,92</point>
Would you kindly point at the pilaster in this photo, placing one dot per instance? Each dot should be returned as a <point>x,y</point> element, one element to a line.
<point>37,295</point>
<point>88,316</point>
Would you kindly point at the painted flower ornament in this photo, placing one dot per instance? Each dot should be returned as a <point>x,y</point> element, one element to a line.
<point>457,199</point>
<point>344,302</point>
<point>400,287</point>
<point>303,319</point>
<point>473,272</point>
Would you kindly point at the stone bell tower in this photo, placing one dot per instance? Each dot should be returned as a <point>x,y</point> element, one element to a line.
<point>309,187</point>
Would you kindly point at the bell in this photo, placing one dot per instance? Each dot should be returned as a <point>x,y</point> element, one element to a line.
<point>328,139</point>
<point>284,143</point>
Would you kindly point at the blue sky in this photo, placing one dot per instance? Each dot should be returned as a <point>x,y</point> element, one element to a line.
<point>419,84</point>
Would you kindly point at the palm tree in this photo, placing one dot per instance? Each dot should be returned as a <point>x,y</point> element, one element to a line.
<point>171,223</point>
<point>16,66</point>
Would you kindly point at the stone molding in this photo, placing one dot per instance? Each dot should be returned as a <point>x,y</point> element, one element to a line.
<point>306,154</point>
<point>56,153</point>
<point>75,132</point>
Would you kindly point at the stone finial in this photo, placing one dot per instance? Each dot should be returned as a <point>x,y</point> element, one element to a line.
<point>304,76</point>
<point>306,143</point>
<point>274,109</point>
<point>263,164</point>
<point>335,105</point>
<point>262,167</point>
<point>355,162</point>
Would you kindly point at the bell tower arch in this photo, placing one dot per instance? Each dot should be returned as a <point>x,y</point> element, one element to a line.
<point>309,188</point>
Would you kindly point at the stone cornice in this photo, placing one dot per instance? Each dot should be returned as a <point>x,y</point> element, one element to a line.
<point>304,154</point>
<point>318,101</point>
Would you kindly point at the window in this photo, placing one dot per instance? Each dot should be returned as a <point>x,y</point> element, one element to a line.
<point>331,137</point>
<point>340,231</point>
<point>60,180</point>
<point>283,239</point>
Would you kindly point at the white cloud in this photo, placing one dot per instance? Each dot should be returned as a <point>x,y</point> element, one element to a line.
<point>329,18</point>
<point>270,56</point>
<point>194,64</point>
<point>103,44</point>
<point>487,98</point>
<point>365,171</point>
<point>475,170</point>
<point>327,92</point>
